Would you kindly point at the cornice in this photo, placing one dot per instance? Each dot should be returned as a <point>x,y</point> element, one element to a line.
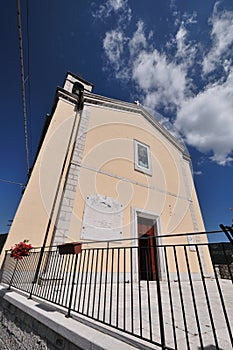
<point>102,101</point>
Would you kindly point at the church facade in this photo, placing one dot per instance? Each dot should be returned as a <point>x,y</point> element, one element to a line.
<point>106,170</point>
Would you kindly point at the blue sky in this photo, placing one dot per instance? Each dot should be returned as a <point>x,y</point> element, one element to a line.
<point>174,56</point>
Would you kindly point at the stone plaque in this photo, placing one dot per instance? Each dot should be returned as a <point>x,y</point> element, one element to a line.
<point>102,219</point>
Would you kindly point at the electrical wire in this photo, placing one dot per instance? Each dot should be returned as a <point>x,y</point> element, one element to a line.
<point>12,182</point>
<point>29,85</point>
<point>23,84</point>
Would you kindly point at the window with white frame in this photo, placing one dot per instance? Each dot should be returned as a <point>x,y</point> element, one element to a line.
<point>142,157</point>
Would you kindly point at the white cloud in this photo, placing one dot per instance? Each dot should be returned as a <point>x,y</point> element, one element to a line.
<point>118,4</point>
<point>162,82</point>
<point>180,39</point>
<point>113,45</point>
<point>120,7</point>
<point>206,120</point>
<point>163,79</point>
<point>222,40</point>
<point>197,172</point>
<point>138,41</point>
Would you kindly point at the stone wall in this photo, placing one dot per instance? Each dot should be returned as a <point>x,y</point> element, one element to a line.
<point>20,331</point>
<point>224,271</point>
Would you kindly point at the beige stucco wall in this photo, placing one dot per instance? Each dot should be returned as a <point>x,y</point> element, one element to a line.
<point>108,169</point>
<point>32,216</point>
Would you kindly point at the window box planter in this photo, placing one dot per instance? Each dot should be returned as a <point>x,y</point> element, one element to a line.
<point>70,248</point>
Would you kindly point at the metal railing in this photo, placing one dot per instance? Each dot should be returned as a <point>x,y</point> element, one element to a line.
<point>158,289</point>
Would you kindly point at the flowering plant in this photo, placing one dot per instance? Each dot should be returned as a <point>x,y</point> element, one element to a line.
<point>21,249</point>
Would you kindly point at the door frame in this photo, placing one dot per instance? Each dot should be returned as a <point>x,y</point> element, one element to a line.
<point>135,213</point>
<point>148,268</point>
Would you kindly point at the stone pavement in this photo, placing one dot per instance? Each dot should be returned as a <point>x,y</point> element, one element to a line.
<point>194,314</point>
<point>197,323</point>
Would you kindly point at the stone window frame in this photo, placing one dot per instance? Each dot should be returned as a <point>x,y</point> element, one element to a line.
<point>137,165</point>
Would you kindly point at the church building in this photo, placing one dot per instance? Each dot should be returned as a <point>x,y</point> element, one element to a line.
<point>107,170</point>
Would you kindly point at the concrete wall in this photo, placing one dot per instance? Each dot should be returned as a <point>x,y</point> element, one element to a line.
<point>34,325</point>
<point>20,331</point>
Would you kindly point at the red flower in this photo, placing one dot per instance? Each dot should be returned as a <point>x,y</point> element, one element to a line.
<point>21,249</point>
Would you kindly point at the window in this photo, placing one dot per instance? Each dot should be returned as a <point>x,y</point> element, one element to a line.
<point>142,159</point>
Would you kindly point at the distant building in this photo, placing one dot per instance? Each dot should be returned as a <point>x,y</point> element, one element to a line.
<point>107,170</point>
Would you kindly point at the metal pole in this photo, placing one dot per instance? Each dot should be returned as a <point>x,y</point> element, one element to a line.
<point>79,105</point>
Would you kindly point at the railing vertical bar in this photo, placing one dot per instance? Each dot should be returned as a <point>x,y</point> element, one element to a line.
<point>24,282</point>
<point>78,285</point>
<point>193,297</point>
<point>12,277</point>
<point>36,287</point>
<point>63,268</point>
<point>17,273</point>
<point>54,272</point>
<point>47,256</point>
<point>117,301</point>
<point>207,297</point>
<point>33,269</point>
<point>111,289</point>
<point>159,296</point>
<point>101,269</point>
<point>44,258</point>
<point>28,262</point>
<point>72,286</point>
<point>131,282</point>
<point>139,294</point>
<point>69,278</point>
<point>148,256</point>
<point>225,229</point>
<point>170,297</point>
<point>96,274</point>
<point>227,261</point>
<point>54,277</point>
<point>181,298</point>
<point>222,303</point>
<point>85,284</point>
<point>105,284</point>
<point>89,292</point>
<point>50,273</point>
<point>82,275</point>
<point>124,296</point>
<point>61,278</point>
<point>23,271</point>
<point>4,264</point>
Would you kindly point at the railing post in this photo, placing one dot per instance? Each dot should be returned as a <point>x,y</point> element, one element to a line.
<point>225,229</point>
<point>160,308</point>
<point>72,287</point>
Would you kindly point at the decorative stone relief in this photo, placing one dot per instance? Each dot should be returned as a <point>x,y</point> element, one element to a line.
<point>102,219</point>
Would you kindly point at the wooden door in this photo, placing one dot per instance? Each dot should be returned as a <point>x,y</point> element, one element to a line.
<point>146,251</point>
